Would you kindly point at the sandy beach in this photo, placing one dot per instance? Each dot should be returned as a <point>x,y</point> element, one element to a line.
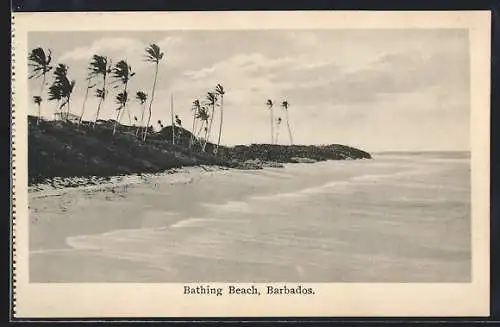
<point>363,221</point>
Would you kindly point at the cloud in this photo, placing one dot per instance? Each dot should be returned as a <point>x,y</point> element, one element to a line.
<point>130,49</point>
<point>392,73</point>
<point>303,40</point>
<point>248,63</point>
<point>104,45</point>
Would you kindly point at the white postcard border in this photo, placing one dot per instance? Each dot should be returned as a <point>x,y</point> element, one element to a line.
<point>335,299</point>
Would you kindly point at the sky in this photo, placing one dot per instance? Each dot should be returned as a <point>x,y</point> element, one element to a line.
<point>379,90</point>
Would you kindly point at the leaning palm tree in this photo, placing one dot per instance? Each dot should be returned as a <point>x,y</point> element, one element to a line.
<point>153,55</point>
<point>278,124</point>
<point>100,66</point>
<point>196,109</point>
<point>121,100</point>
<point>270,104</point>
<point>285,106</point>
<point>203,116</point>
<point>55,94</point>
<point>62,89</point>
<point>142,97</point>
<point>89,86</point>
<point>121,72</point>
<point>67,88</point>
<point>212,102</point>
<point>40,64</point>
<point>220,92</point>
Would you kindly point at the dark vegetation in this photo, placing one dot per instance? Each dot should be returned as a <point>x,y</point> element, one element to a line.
<point>66,149</point>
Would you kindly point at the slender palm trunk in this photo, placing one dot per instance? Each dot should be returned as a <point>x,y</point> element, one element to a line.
<point>116,120</point>
<point>39,105</point>
<point>101,100</point>
<point>58,103</point>
<point>288,126</point>
<point>198,135</point>
<point>192,131</point>
<point>221,120</point>
<point>172,117</point>
<point>209,130</point>
<point>84,102</point>
<point>277,134</point>
<point>69,109</point>
<point>201,128</point>
<point>129,118</point>
<point>272,125</point>
<point>98,109</point>
<point>150,104</point>
<point>207,135</point>
<point>120,111</point>
<point>142,120</point>
<point>120,116</point>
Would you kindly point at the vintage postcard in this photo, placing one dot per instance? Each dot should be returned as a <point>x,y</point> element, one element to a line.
<point>222,164</point>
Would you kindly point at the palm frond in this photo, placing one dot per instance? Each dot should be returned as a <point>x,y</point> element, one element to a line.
<point>100,93</point>
<point>40,62</point>
<point>98,66</point>
<point>122,71</point>
<point>121,99</point>
<point>211,98</point>
<point>141,96</point>
<point>153,53</point>
<point>219,89</point>
<point>37,99</point>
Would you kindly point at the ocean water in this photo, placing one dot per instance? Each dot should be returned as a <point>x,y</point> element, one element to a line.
<point>397,218</point>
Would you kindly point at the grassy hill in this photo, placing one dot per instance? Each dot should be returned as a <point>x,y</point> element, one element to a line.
<point>65,149</point>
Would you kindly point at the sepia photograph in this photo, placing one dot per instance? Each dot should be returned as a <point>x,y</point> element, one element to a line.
<point>281,158</point>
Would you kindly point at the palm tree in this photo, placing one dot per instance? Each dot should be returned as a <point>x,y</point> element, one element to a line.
<point>196,109</point>
<point>220,91</point>
<point>142,98</point>
<point>40,64</point>
<point>278,124</point>
<point>285,106</point>
<point>153,55</point>
<point>270,104</point>
<point>211,101</point>
<point>62,88</point>
<point>121,99</point>
<point>122,72</point>
<point>55,93</point>
<point>89,86</point>
<point>203,116</point>
<point>100,66</point>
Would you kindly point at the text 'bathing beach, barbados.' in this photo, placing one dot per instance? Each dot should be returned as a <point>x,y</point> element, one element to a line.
<point>209,164</point>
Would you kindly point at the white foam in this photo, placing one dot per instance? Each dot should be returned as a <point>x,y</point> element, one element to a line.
<point>201,222</point>
<point>233,206</point>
